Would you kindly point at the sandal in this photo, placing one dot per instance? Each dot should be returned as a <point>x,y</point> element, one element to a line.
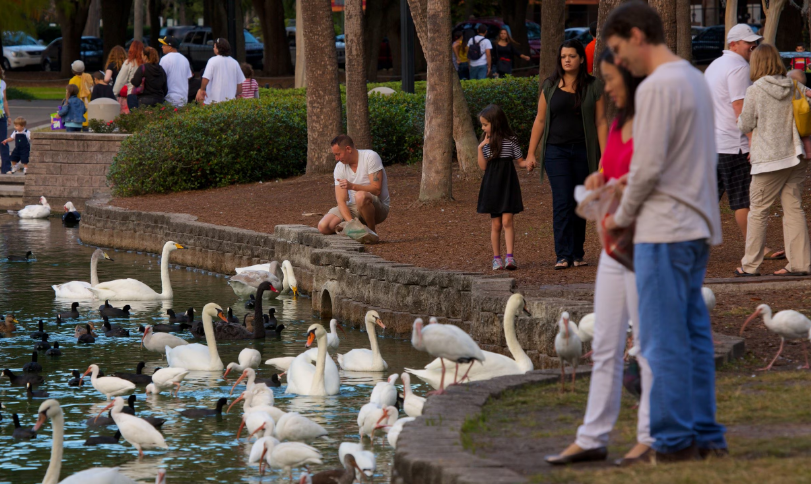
<point>775,255</point>
<point>561,264</point>
<point>740,273</point>
<point>580,263</point>
<point>789,273</point>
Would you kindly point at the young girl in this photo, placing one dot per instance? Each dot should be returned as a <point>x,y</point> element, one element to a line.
<point>250,88</point>
<point>72,109</point>
<point>500,193</point>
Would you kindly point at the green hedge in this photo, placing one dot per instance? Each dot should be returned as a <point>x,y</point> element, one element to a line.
<point>12,93</point>
<point>245,141</point>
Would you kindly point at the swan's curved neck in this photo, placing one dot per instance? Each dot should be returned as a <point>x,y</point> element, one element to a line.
<point>520,357</point>
<point>94,263</point>
<point>211,341</point>
<point>55,467</point>
<point>318,386</point>
<point>285,279</point>
<point>258,318</point>
<point>166,284</point>
<point>406,388</point>
<point>370,328</point>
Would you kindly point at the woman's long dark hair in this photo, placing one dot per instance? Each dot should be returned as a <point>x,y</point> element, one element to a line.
<point>631,83</point>
<point>583,77</point>
<point>499,128</point>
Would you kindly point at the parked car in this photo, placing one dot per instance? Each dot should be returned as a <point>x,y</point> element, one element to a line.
<point>494,25</point>
<point>20,50</point>
<point>92,54</point>
<point>178,31</point>
<point>708,44</point>
<point>198,47</point>
<point>695,31</point>
<point>145,39</point>
<point>578,33</point>
<point>340,46</point>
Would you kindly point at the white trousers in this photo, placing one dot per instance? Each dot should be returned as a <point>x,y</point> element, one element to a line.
<point>615,302</point>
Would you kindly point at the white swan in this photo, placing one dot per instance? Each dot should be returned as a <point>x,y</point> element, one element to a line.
<point>80,290</point>
<point>289,282</point>
<point>332,337</point>
<point>50,409</point>
<point>363,359</point>
<point>385,393</point>
<point>495,364</point>
<point>36,211</point>
<point>247,280</point>
<point>196,356</point>
<point>412,404</point>
<point>320,380</point>
<point>134,290</point>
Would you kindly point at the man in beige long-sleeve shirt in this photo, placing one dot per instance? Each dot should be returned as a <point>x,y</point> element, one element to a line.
<point>672,196</point>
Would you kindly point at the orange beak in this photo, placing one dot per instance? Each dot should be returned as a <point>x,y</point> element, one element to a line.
<point>310,339</point>
<point>748,320</point>
<point>221,315</point>
<point>340,326</point>
<point>261,427</point>
<point>241,426</point>
<point>40,421</point>
<point>262,462</point>
<point>103,409</point>
<point>146,330</point>
<point>241,397</point>
<point>227,371</point>
<point>380,323</point>
<point>242,377</point>
<point>81,379</point>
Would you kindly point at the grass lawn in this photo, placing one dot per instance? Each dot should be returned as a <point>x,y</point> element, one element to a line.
<point>767,417</point>
<point>43,93</point>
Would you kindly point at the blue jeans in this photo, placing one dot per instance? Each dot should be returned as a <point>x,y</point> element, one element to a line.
<point>478,72</point>
<point>72,130</point>
<point>566,166</point>
<point>463,70</point>
<point>675,335</point>
<point>5,162</point>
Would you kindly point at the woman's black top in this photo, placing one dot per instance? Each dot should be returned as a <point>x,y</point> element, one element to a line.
<point>505,57</point>
<point>155,78</point>
<point>111,67</point>
<point>566,121</point>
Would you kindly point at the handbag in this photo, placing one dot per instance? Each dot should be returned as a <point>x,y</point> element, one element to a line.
<point>140,89</point>
<point>802,112</point>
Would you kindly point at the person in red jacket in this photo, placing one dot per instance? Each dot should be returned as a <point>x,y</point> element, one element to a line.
<point>590,48</point>
<point>801,63</point>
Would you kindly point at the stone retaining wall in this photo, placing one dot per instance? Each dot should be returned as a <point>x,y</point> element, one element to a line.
<point>69,167</point>
<point>343,280</point>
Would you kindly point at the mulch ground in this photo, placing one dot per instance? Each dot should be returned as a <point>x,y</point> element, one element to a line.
<point>451,235</point>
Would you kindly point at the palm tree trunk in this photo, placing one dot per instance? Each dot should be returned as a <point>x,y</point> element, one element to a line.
<point>357,99</point>
<point>552,26</point>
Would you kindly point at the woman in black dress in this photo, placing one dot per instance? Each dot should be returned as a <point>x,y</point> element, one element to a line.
<point>505,50</point>
<point>500,193</point>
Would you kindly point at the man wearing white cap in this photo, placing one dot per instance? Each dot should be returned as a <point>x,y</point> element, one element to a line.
<point>728,77</point>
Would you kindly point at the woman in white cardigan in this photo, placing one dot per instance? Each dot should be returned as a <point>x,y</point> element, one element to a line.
<point>128,69</point>
<point>778,167</point>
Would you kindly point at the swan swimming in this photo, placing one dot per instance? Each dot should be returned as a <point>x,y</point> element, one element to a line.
<point>80,290</point>
<point>135,290</point>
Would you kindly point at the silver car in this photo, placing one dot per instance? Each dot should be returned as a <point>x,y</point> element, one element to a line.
<point>20,50</point>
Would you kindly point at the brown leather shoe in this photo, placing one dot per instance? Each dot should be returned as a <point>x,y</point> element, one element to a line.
<point>587,455</point>
<point>687,454</point>
<point>714,453</point>
<point>646,457</point>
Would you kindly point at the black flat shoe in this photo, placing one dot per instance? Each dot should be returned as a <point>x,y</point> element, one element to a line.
<point>588,455</point>
<point>647,457</point>
<point>685,455</point>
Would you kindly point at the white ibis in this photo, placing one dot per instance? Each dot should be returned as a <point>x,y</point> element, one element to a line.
<point>449,342</point>
<point>385,393</point>
<point>109,386</point>
<point>332,337</point>
<point>288,455</point>
<point>254,421</point>
<point>412,404</point>
<point>298,428</point>
<point>788,324</point>
<point>568,347</point>
<point>371,418</point>
<point>248,358</point>
<point>158,342</point>
<point>365,459</point>
<point>585,330</point>
<point>137,431</point>
<point>250,375</point>
<point>258,400</point>
<point>50,409</point>
<point>344,475</point>
<point>167,379</point>
<point>709,298</point>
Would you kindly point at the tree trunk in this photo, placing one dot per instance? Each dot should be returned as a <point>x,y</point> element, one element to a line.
<point>373,35</point>
<point>138,22</point>
<point>238,51</point>
<point>393,33</point>
<point>155,8</point>
<point>463,133</point>
<point>603,11</point>
<point>323,93</point>
<point>91,28</point>
<point>552,26</point>
<point>772,20</point>
<point>276,59</point>
<point>301,59</point>
<point>730,18</point>
<point>115,15</point>
<point>357,99</point>
<point>72,16</point>
<point>181,12</point>
<point>791,29</point>
<point>515,16</point>
<point>667,10</point>
<point>684,37</point>
<point>437,150</point>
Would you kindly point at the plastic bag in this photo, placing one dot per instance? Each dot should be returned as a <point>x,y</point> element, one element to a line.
<point>597,205</point>
<point>56,122</point>
<point>355,230</point>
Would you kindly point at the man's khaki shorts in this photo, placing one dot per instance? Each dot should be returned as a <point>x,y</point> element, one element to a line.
<point>381,210</point>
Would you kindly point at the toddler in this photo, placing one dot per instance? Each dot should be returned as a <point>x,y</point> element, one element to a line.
<point>22,145</point>
<point>250,88</point>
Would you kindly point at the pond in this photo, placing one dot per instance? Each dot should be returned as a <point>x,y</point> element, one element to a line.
<point>199,450</point>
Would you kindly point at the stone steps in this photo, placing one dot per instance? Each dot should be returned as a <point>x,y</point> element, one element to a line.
<point>12,188</point>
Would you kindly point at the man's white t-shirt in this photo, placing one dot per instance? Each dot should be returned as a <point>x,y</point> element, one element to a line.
<point>485,45</point>
<point>728,78</point>
<point>224,75</point>
<point>368,162</point>
<point>178,73</point>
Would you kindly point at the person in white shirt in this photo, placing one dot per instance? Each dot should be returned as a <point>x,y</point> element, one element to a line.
<point>728,78</point>
<point>361,187</point>
<point>177,70</point>
<point>222,78</point>
<point>480,66</point>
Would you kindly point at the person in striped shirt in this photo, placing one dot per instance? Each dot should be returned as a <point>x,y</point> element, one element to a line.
<point>250,88</point>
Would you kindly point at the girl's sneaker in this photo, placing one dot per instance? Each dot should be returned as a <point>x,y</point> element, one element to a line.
<point>497,264</point>
<point>510,264</point>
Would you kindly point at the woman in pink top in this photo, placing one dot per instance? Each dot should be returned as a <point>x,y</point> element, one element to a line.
<point>615,303</point>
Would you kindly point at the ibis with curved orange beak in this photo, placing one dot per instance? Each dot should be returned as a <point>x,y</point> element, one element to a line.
<point>568,347</point>
<point>788,324</point>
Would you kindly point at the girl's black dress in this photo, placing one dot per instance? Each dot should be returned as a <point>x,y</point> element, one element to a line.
<point>500,191</point>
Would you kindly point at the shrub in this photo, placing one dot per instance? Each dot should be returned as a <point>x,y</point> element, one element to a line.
<point>99,126</point>
<point>139,118</point>
<point>517,96</point>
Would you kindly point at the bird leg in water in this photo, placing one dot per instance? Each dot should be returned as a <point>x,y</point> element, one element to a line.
<point>782,342</point>
<point>177,388</point>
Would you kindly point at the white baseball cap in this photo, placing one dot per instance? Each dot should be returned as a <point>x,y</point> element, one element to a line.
<point>742,32</point>
<point>77,66</point>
